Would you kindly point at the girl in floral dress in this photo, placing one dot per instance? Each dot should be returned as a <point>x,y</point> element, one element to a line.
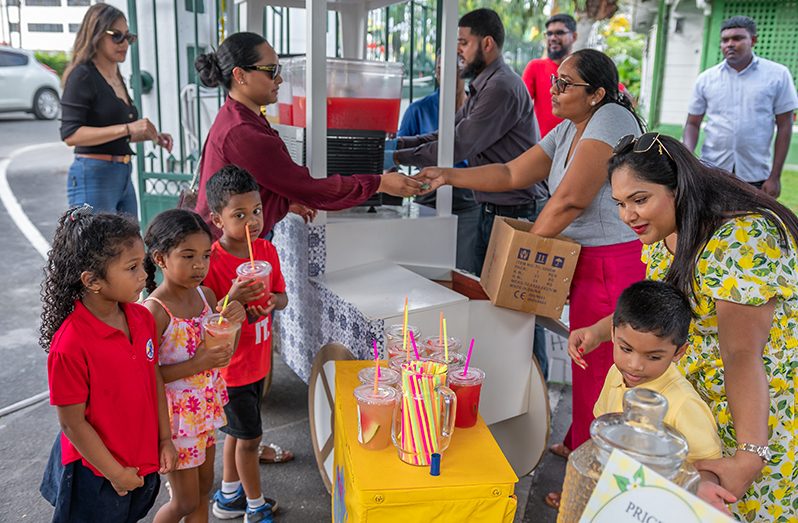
<point>179,243</point>
<point>732,249</point>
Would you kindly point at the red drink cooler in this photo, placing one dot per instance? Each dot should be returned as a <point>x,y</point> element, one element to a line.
<point>361,95</point>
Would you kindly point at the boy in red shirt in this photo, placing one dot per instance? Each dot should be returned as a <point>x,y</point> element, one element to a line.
<point>235,205</point>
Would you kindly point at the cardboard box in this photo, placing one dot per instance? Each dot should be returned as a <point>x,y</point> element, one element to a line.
<point>526,272</point>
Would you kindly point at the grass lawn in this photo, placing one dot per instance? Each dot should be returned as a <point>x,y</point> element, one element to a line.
<point>789,189</point>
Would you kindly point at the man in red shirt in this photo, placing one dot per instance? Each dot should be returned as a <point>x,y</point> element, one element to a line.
<point>560,37</point>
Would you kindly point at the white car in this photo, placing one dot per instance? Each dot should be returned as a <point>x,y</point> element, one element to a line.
<point>28,85</point>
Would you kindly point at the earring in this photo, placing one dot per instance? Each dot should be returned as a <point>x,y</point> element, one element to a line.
<point>96,291</point>
<point>593,103</point>
<point>241,82</point>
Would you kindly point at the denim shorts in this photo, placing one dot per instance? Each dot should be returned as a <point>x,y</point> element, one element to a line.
<point>80,496</point>
<point>106,186</point>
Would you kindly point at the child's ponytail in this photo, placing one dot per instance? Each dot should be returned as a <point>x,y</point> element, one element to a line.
<point>84,241</point>
<point>149,267</point>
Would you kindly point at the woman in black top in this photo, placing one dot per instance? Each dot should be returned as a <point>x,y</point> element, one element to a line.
<point>98,116</point>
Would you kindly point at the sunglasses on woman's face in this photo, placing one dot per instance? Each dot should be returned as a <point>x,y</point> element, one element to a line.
<point>643,144</point>
<point>118,36</point>
<point>273,70</point>
<point>562,85</point>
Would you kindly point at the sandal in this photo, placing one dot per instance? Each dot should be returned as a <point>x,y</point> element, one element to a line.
<point>559,449</point>
<point>280,455</point>
<point>553,499</point>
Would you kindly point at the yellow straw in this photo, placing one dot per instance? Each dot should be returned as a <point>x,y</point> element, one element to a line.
<point>224,306</point>
<point>249,246</point>
<point>404,334</point>
<point>445,343</point>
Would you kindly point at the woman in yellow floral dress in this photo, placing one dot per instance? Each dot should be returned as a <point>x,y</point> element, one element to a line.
<point>732,249</point>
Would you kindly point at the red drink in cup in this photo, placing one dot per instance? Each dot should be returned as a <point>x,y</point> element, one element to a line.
<point>375,415</point>
<point>467,388</point>
<point>261,271</point>
<point>219,333</point>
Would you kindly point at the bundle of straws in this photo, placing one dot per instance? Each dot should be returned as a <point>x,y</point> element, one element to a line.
<point>421,410</point>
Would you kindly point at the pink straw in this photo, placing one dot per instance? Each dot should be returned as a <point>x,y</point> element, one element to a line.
<point>376,358</point>
<point>413,341</point>
<point>468,358</point>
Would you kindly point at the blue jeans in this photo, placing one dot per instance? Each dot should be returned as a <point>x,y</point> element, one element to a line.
<point>106,186</point>
<point>487,214</point>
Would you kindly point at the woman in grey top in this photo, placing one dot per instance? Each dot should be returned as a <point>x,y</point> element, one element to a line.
<point>573,159</point>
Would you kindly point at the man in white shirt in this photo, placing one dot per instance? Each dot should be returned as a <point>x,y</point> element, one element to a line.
<point>743,97</point>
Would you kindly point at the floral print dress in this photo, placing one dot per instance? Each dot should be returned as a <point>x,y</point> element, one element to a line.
<point>196,402</point>
<point>744,263</point>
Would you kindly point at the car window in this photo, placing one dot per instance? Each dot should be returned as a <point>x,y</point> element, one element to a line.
<point>10,59</point>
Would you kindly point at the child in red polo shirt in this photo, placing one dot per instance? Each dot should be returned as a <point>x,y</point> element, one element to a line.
<point>102,371</point>
<point>235,205</point>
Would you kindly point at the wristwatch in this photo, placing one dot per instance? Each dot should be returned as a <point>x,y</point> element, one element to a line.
<point>763,451</point>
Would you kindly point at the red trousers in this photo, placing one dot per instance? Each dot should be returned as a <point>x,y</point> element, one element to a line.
<point>602,273</point>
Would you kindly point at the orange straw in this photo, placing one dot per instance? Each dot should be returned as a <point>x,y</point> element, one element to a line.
<point>249,246</point>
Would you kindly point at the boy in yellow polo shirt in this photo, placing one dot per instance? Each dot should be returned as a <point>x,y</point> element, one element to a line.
<point>649,334</point>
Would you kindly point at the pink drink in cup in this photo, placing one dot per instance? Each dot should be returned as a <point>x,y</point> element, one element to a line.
<point>375,415</point>
<point>467,389</point>
<point>219,334</point>
<point>259,270</point>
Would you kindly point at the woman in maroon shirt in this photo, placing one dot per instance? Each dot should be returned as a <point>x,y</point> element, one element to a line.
<point>246,65</point>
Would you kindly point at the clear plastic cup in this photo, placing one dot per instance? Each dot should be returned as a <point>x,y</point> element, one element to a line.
<point>435,344</point>
<point>467,388</point>
<point>219,333</point>
<point>388,377</point>
<point>375,415</point>
<point>394,333</point>
<point>259,270</point>
<point>456,359</point>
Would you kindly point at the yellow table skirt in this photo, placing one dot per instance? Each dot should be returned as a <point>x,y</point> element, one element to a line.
<point>476,482</point>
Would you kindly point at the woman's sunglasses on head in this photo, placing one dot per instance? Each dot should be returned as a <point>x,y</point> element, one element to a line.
<point>643,144</point>
<point>118,37</point>
<point>273,70</point>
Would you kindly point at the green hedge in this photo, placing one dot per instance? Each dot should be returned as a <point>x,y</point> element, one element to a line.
<point>57,60</point>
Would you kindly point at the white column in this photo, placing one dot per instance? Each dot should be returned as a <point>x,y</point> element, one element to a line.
<point>447,101</point>
<point>316,88</point>
<point>353,30</point>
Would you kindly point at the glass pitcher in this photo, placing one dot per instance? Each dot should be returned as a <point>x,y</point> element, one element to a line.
<point>423,419</point>
<point>640,432</point>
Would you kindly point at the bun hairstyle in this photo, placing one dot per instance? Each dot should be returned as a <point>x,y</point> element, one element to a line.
<point>598,70</point>
<point>238,49</point>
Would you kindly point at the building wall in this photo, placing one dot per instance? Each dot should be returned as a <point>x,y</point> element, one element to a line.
<point>41,27</point>
<point>682,62</point>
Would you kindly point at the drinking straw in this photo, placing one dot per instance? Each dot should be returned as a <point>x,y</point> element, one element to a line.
<point>415,348</point>
<point>376,357</point>
<point>224,306</point>
<point>249,246</point>
<point>468,358</point>
<point>376,376</point>
<point>445,343</point>
<point>404,334</point>
<point>440,328</point>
